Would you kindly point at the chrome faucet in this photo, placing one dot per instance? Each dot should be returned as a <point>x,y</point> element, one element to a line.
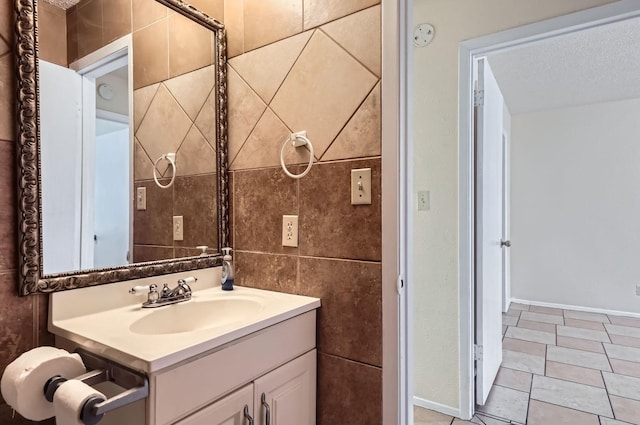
<point>167,296</point>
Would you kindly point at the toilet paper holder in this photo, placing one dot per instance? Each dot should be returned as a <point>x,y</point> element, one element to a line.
<point>103,370</point>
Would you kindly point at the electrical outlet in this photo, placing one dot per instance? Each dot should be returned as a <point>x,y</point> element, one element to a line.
<point>290,230</point>
<point>423,200</point>
<point>178,228</point>
<point>141,198</point>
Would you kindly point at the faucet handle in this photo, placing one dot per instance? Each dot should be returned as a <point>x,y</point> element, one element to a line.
<point>140,289</point>
<point>153,293</point>
<point>188,280</point>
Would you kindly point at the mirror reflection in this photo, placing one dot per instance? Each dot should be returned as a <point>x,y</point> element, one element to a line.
<point>126,93</point>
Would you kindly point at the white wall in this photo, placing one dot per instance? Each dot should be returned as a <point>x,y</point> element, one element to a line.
<point>435,161</point>
<point>574,206</point>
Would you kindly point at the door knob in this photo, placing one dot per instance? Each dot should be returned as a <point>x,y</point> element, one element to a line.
<point>505,243</point>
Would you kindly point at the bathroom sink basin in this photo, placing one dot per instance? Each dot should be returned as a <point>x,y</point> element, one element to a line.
<point>195,315</point>
<point>108,320</point>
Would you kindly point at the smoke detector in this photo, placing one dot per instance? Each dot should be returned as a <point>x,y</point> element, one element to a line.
<point>423,35</point>
<point>105,91</point>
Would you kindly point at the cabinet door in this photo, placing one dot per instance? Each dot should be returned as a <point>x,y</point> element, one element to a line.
<point>289,393</point>
<point>227,411</point>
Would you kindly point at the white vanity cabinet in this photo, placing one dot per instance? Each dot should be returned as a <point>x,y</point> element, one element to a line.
<point>231,348</point>
<point>279,361</point>
<point>287,395</point>
<point>228,411</point>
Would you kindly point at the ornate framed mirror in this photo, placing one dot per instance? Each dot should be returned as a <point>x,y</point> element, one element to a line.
<point>153,172</point>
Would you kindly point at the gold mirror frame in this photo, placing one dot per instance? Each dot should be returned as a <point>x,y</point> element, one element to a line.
<point>30,277</point>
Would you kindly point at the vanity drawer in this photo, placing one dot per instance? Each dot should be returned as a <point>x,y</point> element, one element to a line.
<point>194,384</point>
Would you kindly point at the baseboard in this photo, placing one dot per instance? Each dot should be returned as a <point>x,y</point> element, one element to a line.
<point>576,307</point>
<point>432,405</point>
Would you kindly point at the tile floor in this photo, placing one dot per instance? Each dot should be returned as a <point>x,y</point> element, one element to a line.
<point>561,367</point>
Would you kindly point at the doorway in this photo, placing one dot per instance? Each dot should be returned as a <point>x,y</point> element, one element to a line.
<point>87,224</point>
<point>474,388</point>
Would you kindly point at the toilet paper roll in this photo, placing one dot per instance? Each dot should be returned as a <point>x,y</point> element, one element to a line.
<point>69,399</point>
<point>23,381</point>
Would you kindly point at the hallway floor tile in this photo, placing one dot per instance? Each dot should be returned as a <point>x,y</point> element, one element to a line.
<point>561,367</point>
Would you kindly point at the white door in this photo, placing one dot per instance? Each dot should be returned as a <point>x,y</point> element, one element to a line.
<point>111,197</point>
<point>287,396</point>
<point>61,165</point>
<point>489,218</point>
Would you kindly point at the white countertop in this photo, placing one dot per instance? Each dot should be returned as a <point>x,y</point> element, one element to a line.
<point>101,318</point>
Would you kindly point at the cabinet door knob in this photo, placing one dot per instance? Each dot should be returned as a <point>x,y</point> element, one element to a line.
<point>263,400</point>
<point>247,415</point>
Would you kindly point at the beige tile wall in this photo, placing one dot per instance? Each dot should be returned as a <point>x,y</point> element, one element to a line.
<point>323,76</point>
<point>165,44</point>
<point>312,65</point>
<point>176,115</point>
<point>174,110</point>
<point>22,319</point>
<point>51,34</point>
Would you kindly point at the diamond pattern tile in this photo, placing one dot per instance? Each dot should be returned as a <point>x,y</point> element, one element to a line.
<point>264,69</point>
<point>196,155</point>
<point>323,90</point>
<point>364,44</point>
<point>318,12</point>
<point>4,46</point>
<point>206,120</point>
<point>245,109</point>
<point>164,126</point>
<point>361,137</point>
<point>262,148</point>
<point>192,89</point>
<point>141,100</point>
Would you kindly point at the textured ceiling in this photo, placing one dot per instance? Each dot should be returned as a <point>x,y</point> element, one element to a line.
<point>595,65</point>
<point>63,4</point>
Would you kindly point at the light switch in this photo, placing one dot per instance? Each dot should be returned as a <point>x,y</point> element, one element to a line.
<point>423,200</point>
<point>178,228</point>
<point>361,186</point>
<point>141,198</point>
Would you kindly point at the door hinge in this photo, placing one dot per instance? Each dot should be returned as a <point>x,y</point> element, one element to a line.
<point>478,98</point>
<point>477,352</point>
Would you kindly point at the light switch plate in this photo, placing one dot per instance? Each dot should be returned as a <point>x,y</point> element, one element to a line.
<point>178,228</point>
<point>361,186</point>
<point>290,230</point>
<point>423,200</point>
<point>141,198</point>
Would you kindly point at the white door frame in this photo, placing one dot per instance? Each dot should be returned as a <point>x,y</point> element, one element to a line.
<point>397,384</point>
<point>468,52</point>
<point>92,66</point>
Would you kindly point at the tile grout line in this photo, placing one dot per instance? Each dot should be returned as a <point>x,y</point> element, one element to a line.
<point>606,388</point>
<point>329,162</point>
<point>570,408</point>
<point>602,373</point>
<point>357,109</point>
<point>372,72</point>
<point>545,359</point>
<point>600,370</point>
